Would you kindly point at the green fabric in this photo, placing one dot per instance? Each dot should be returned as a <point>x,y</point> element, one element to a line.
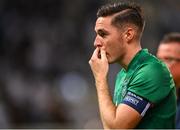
<point>149,78</point>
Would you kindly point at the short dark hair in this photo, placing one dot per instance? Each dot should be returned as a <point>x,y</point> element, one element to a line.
<point>171,37</point>
<point>126,13</point>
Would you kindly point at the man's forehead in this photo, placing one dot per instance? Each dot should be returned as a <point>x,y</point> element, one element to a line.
<point>103,22</point>
<point>172,47</point>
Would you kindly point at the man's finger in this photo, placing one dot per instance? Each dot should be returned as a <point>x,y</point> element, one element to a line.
<point>95,53</point>
<point>103,54</point>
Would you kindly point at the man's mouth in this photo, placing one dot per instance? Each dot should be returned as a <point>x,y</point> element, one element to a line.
<point>99,54</point>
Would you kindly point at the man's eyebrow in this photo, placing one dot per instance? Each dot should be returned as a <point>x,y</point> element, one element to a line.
<point>102,31</point>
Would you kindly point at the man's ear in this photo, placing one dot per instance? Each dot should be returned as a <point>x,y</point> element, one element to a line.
<point>129,34</point>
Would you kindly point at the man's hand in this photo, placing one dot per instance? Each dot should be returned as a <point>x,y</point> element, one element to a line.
<point>99,64</point>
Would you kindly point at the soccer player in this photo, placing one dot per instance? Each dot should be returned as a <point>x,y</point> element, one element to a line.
<point>169,52</point>
<point>144,95</point>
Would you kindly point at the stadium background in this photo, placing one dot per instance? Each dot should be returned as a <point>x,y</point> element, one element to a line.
<point>45,45</point>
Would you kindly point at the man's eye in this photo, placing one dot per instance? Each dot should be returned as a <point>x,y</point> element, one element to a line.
<point>102,34</point>
<point>171,59</point>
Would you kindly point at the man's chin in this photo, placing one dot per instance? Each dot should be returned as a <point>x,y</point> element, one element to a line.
<point>111,62</point>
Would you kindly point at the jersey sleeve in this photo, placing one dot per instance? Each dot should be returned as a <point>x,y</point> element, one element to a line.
<point>152,82</point>
<point>138,103</point>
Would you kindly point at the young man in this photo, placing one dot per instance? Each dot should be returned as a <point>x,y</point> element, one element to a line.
<point>144,94</point>
<point>169,52</point>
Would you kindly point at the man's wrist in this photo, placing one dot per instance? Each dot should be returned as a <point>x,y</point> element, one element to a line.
<point>101,80</point>
<point>101,83</point>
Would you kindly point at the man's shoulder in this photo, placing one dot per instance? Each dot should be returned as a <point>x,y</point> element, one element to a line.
<point>150,58</point>
<point>147,61</point>
<point>152,69</point>
<point>153,64</point>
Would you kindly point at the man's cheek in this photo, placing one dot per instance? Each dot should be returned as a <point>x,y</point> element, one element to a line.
<point>175,70</point>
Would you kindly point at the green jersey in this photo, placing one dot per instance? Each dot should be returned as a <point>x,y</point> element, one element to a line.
<point>149,78</point>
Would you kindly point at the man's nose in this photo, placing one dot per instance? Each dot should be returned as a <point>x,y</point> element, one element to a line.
<point>97,42</point>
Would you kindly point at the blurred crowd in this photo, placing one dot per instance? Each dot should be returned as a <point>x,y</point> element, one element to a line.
<point>45,45</point>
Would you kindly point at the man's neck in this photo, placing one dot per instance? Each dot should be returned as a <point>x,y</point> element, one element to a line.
<point>129,56</point>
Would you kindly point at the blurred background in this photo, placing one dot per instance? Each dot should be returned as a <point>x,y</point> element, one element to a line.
<point>45,45</point>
